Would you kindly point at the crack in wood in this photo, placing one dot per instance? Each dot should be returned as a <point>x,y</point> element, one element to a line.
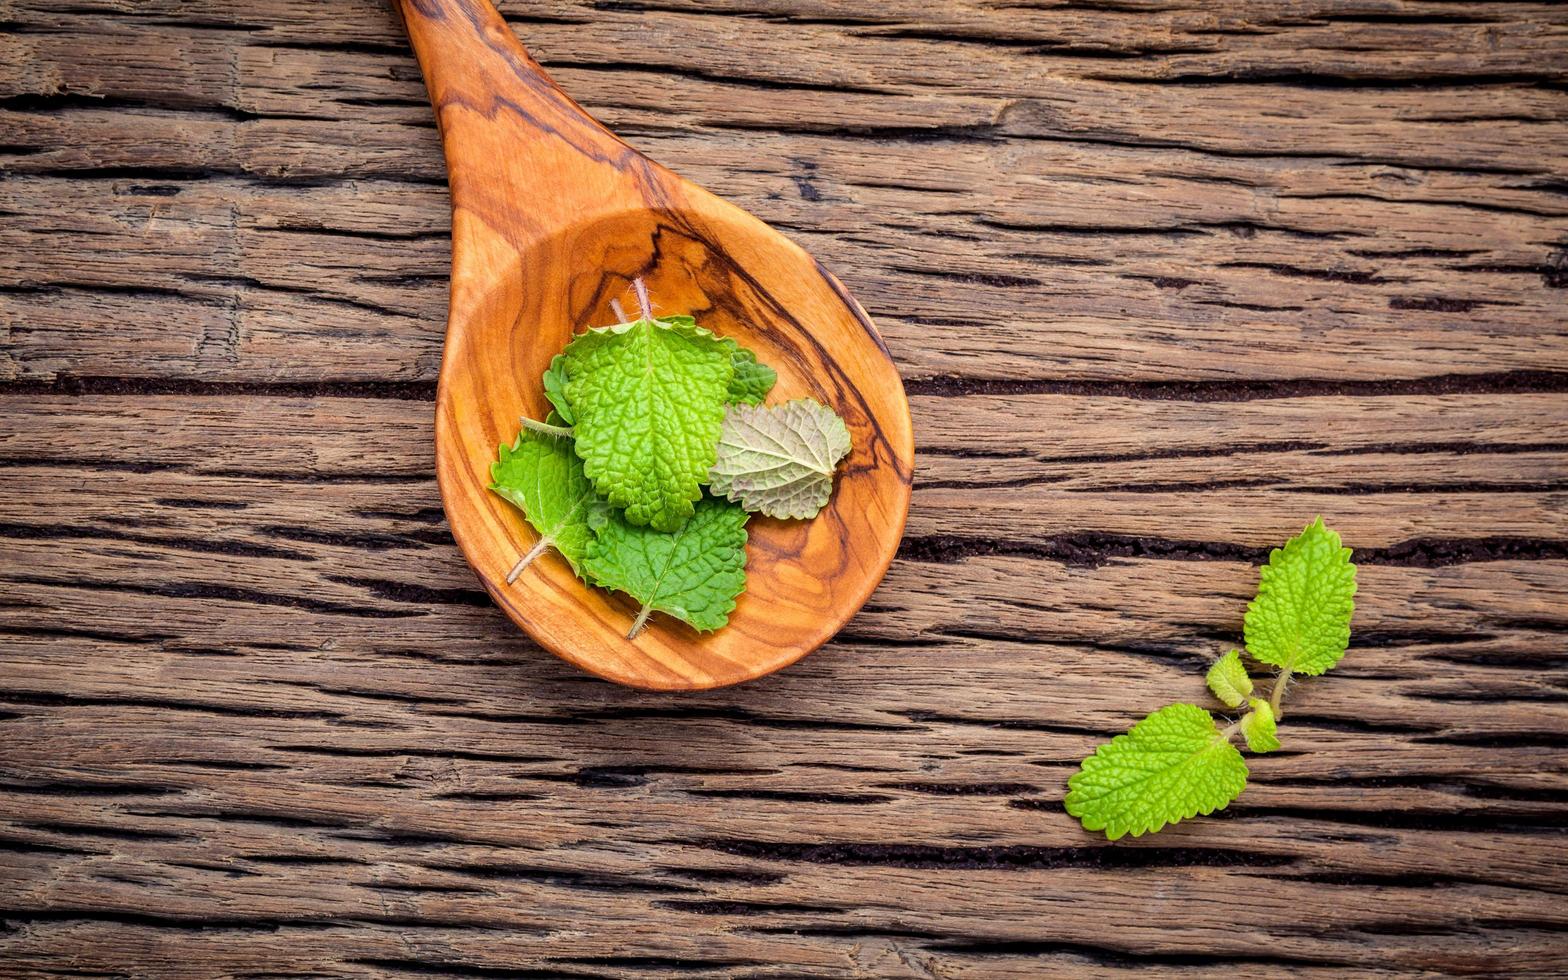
<point>1021,857</point>
<point>1500,382</point>
<point>1090,549</point>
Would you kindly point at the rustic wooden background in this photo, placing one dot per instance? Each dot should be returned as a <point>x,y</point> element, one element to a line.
<point>1165,278</point>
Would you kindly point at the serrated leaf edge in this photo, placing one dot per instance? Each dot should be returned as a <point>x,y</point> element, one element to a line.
<point>1267,571</point>
<point>590,467</point>
<point>724,485</point>
<point>1258,727</point>
<point>647,609</point>
<point>1218,677</point>
<point>1113,833</point>
<point>545,541</point>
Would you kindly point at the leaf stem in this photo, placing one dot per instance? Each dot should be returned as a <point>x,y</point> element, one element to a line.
<point>639,622</point>
<point>642,298</point>
<point>527,559</point>
<point>1281,682</point>
<point>545,429</point>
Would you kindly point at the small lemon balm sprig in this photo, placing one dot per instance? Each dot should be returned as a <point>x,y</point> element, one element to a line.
<point>1179,762</point>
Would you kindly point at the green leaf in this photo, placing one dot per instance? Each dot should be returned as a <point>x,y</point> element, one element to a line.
<point>750,385</point>
<point>649,400</point>
<point>1174,764</point>
<point>779,459</point>
<point>753,379</point>
<point>1228,679</point>
<point>693,574</point>
<point>1259,727</point>
<point>543,478</point>
<point>1300,621</point>
<point>555,389</point>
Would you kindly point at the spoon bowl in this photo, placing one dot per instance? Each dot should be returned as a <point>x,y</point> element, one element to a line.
<point>553,219</point>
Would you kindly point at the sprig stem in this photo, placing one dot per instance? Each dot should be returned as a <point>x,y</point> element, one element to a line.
<point>642,298</point>
<point>527,559</point>
<point>1281,681</point>
<point>546,429</point>
<point>639,622</point>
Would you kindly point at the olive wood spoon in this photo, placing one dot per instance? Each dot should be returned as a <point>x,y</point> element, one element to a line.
<point>553,218</point>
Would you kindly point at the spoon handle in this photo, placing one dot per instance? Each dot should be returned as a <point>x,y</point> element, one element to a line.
<point>508,130</point>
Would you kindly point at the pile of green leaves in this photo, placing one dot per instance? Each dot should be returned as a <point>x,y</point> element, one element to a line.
<point>1178,762</point>
<point>658,450</point>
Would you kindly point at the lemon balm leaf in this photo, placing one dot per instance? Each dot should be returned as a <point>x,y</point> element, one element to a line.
<point>555,389</point>
<point>1172,765</point>
<point>1259,727</point>
<point>1229,681</point>
<point>648,397</point>
<point>779,459</point>
<point>753,379</point>
<point>1300,621</point>
<point>694,573</point>
<point>750,385</point>
<point>543,478</point>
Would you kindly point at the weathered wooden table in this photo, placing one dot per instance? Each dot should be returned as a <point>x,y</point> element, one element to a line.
<point>1165,280</point>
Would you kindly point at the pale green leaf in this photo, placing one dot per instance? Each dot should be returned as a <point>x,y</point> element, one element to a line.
<point>693,574</point>
<point>1174,764</point>
<point>1300,620</point>
<point>779,459</point>
<point>649,399</point>
<point>1228,679</point>
<point>1259,727</point>
<point>543,478</point>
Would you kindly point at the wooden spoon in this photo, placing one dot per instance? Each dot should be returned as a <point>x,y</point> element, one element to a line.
<point>553,217</point>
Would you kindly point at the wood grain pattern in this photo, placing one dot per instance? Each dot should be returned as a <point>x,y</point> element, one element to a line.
<point>552,220</point>
<point>258,718</point>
